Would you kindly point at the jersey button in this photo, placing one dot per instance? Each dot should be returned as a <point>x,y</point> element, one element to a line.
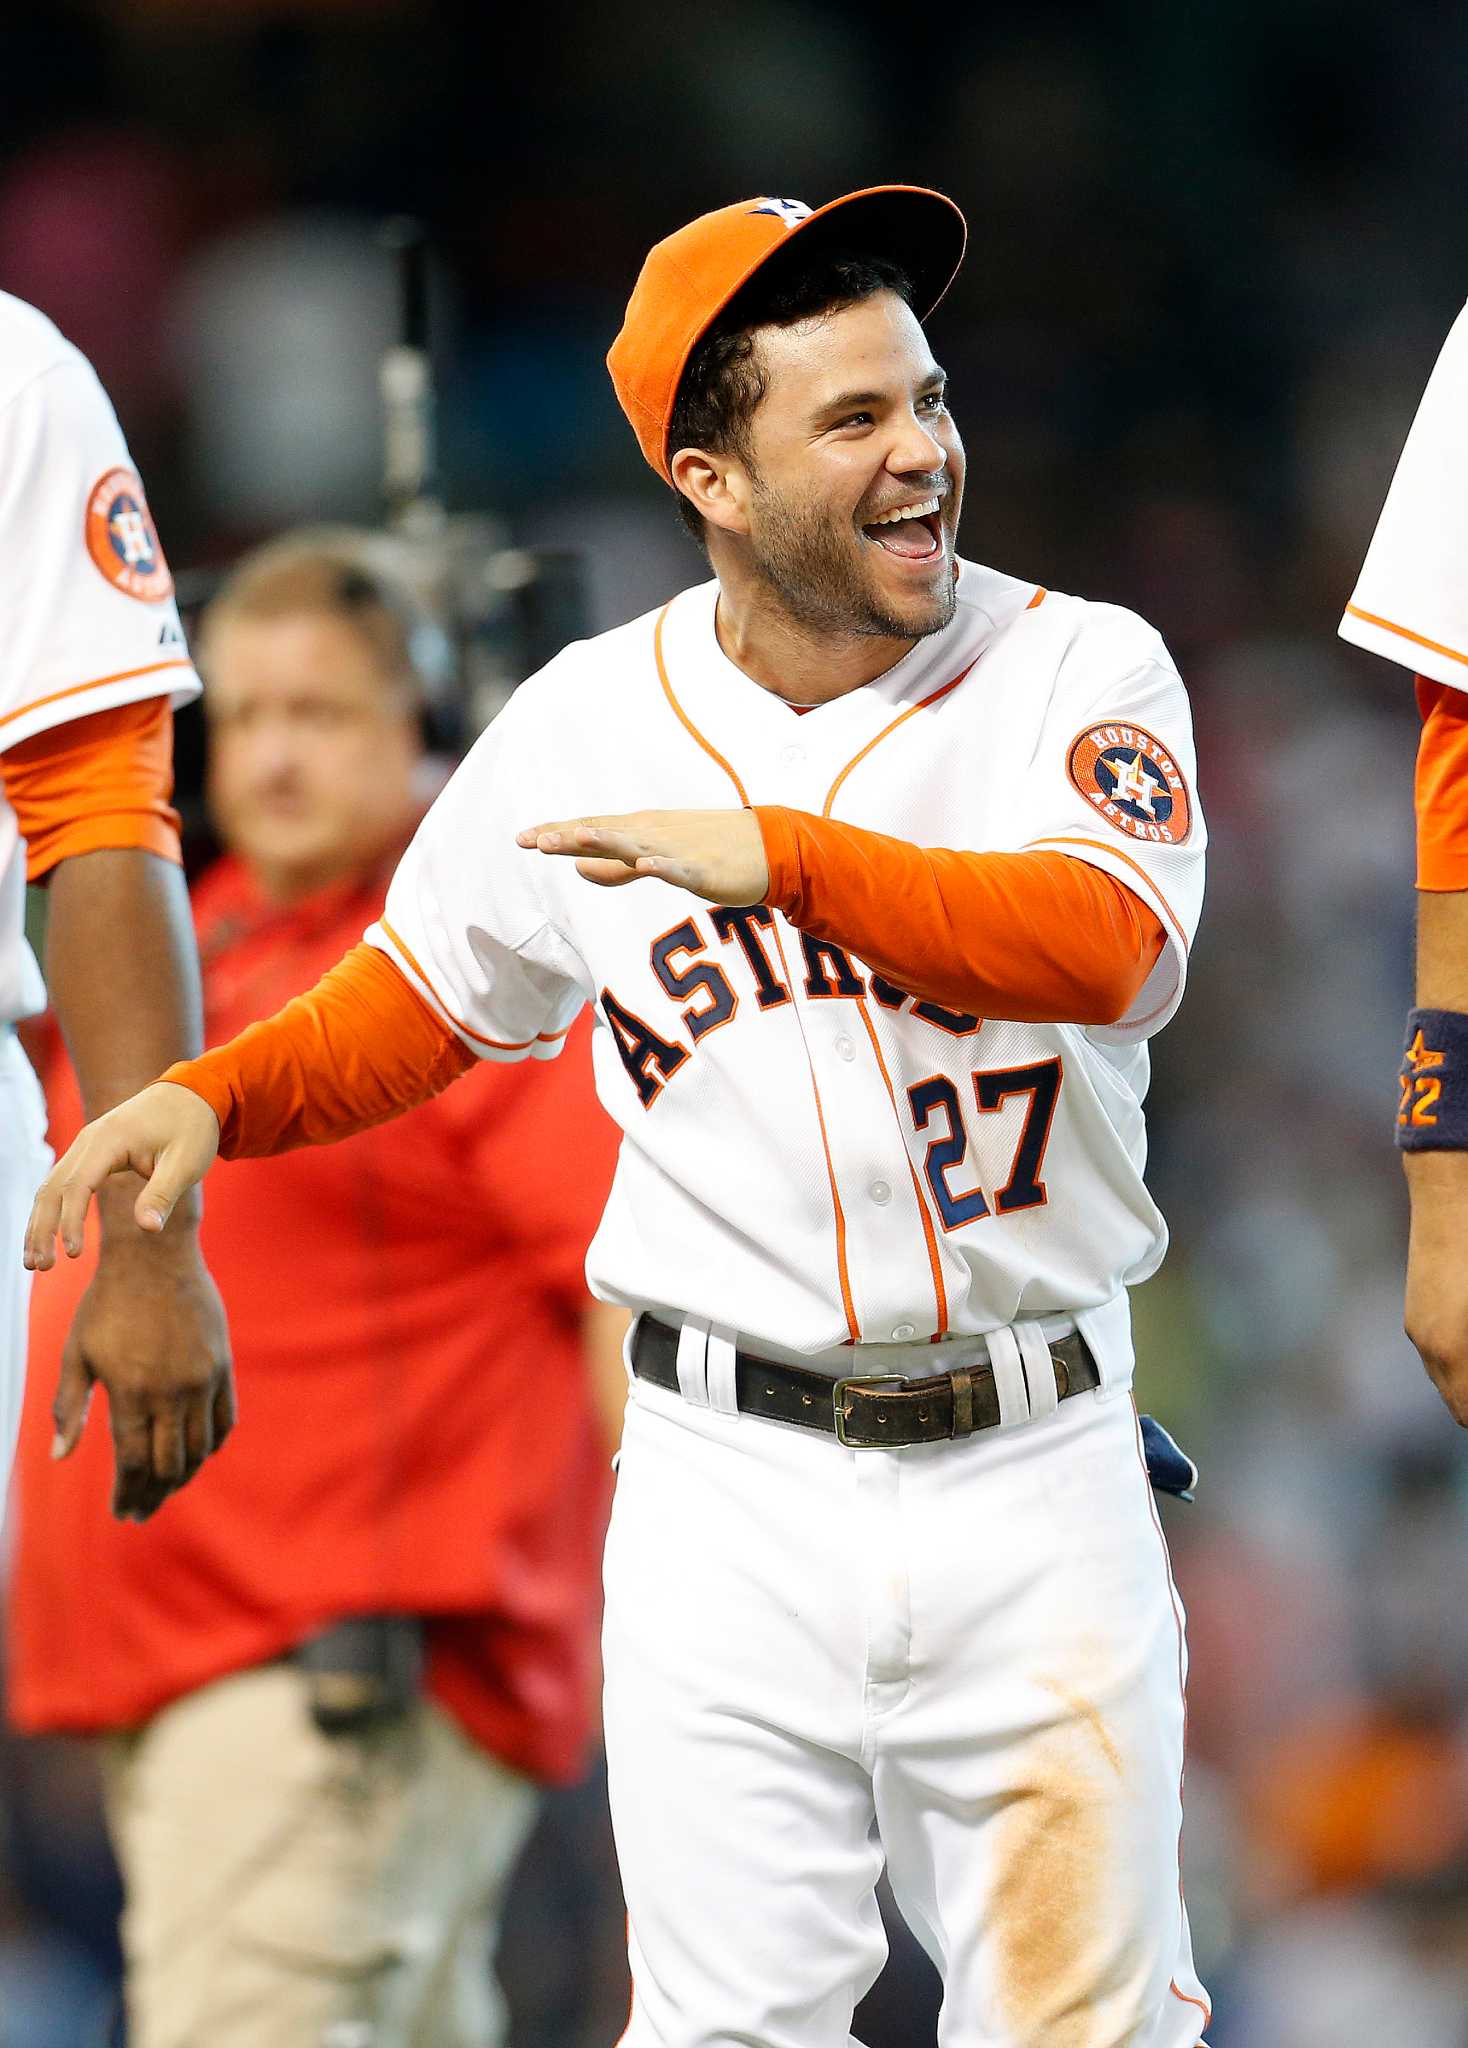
<point>845,1050</point>
<point>880,1193</point>
<point>792,755</point>
<point>903,1331</point>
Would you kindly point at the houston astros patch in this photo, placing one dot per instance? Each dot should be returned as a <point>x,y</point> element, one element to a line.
<point>1132,781</point>
<point>122,539</point>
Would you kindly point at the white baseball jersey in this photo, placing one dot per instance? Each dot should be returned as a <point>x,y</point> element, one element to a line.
<point>1411,600</point>
<point>85,593</point>
<point>811,1157</point>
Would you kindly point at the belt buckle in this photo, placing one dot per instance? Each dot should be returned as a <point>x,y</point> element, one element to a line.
<point>838,1399</point>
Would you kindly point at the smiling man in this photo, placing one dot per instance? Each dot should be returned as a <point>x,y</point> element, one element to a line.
<point>914,868</point>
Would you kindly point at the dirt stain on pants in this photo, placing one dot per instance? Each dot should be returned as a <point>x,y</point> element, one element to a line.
<point>1063,1976</point>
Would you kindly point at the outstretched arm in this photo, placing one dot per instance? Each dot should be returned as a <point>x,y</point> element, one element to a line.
<point>359,1048</point>
<point>1034,937</point>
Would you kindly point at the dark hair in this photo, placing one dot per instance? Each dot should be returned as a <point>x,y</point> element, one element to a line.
<point>722,383</point>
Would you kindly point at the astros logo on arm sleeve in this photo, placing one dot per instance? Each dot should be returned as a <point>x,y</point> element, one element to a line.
<point>1132,781</point>
<point>122,539</point>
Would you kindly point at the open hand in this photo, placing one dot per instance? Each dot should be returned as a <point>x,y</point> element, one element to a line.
<point>718,855</point>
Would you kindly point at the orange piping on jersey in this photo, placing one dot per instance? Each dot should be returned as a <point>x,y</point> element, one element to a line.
<point>901,719</point>
<point>682,716</point>
<point>940,1295</point>
<point>852,1325</point>
<point>1406,633</point>
<point>1102,846</point>
<point>1188,1999</point>
<point>1038,599</point>
<point>125,675</point>
<point>497,1044</point>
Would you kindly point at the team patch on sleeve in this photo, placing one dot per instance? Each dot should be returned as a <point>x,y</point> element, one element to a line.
<point>1132,781</point>
<point>122,539</point>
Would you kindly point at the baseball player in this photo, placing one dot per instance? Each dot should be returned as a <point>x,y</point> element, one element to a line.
<point>1411,604</point>
<point>879,868</point>
<point>93,656</point>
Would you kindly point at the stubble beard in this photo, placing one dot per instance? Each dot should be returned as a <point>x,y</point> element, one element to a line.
<point>817,580</point>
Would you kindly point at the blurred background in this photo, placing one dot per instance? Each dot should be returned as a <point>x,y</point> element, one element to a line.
<point>1213,255</point>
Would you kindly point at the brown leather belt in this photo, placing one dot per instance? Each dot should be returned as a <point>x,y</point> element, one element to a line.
<point>867,1414</point>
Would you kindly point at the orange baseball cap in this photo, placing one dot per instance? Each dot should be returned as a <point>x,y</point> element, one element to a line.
<point>689,279</point>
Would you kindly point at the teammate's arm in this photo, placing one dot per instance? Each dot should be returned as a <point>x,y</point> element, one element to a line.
<point>1437,1181</point>
<point>359,1048</point>
<point>1036,937</point>
<point>91,799</point>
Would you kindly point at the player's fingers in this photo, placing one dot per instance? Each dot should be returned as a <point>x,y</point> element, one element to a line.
<point>198,1424</point>
<point>171,1178</point>
<point>607,874</point>
<point>39,1249</point>
<point>63,1196</point>
<point>76,1199</point>
<point>132,1457</point>
<point>170,1449</point>
<point>224,1412</point>
<point>73,1399</point>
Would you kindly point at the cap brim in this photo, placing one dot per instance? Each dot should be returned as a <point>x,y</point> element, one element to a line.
<point>919,230</point>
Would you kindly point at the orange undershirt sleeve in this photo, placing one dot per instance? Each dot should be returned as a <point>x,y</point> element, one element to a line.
<point>93,783</point>
<point>360,1047</point>
<point>1039,938</point>
<point>1442,787</point>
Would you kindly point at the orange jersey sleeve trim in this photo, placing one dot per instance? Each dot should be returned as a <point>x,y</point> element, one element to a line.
<point>1039,938</point>
<point>93,783</point>
<point>1442,787</point>
<point>495,1044</point>
<point>360,1047</point>
<point>123,675</point>
<point>1114,853</point>
<point>1406,633</point>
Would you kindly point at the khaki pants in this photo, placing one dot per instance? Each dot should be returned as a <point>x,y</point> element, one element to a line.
<point>289,1889</point>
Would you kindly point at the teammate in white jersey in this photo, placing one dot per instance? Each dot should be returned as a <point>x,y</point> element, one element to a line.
<point>92,657</point>
<point>912,860</point>
<point>1411,604</point>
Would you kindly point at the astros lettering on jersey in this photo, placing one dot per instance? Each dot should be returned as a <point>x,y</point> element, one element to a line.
<point>811,1157</point>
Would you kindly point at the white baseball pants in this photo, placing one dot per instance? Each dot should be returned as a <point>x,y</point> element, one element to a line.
<point>966,1659</point>
<point>25,1159</point>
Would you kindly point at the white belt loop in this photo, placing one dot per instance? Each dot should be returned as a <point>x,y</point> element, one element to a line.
<point>1009,1378</point>
<point>1039,1370</point>
<point>720,1380</point>
<point>693,1382</point>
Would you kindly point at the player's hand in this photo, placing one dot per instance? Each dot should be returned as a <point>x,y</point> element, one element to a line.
<point>718,855</point>
<point>1437,1272</point>
<point>150,1327</point>
<point>167,1134</point>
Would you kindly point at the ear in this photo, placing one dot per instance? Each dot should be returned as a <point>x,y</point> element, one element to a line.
<point>715,485</point>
